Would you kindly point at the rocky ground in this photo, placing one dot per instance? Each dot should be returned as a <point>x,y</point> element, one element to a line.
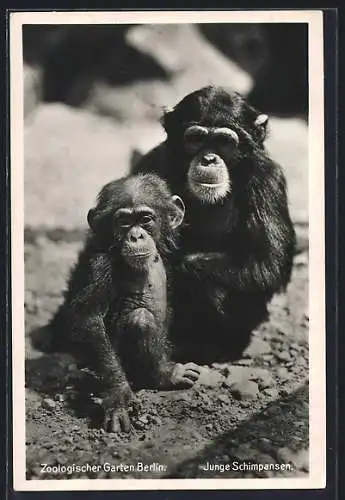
<point>255,410</point>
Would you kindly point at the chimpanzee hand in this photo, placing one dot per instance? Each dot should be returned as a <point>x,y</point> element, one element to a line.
<point>118,403</point>
<point>184,376</point>
<point>201,261</point>
<point>202,256</point>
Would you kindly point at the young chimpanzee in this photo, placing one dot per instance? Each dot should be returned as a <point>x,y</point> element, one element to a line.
<point>238,240</point>
<point>116,313</point>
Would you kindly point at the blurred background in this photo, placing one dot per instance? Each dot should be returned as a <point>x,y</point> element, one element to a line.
<point>95,92</point>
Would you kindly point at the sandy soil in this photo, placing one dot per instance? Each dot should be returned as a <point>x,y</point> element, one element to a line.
<point>255,410</point>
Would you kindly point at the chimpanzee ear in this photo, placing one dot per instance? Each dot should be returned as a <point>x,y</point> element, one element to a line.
<point>260,126</point>
<point>177,216</point>
<point>91,219</point>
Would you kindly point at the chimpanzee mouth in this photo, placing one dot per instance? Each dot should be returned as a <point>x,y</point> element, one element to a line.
<point>208,178</point>
<point>213,185</point>
<point>136,257</point>
<point>141,255</point>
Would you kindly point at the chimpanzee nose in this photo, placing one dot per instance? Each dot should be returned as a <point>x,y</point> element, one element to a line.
<point>208,159</point>
<point>136,235</point>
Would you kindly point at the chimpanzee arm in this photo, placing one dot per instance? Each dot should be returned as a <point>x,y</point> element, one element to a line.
<point>267,275</point>
<point>86,305</point>
<point>117,394</point>
<point>261,248</point>
<point>90,335</point>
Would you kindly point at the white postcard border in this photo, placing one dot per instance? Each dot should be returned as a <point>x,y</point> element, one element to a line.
<point>317,475</point>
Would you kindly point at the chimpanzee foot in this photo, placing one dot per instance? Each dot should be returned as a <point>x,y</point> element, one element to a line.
<point>118,409</point>
<point>117,420</point>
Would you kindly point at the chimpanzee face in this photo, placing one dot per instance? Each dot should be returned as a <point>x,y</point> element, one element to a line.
<point>136,218</point>
<point>213,130</point>
<point>135,231</point>
<point>211,150</point>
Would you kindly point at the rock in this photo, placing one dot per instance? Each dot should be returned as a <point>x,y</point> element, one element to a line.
<point>285,456</point>
<point>185,53</point>
<point>223,368</point>
<point>242,373</point>
<point>271,392</point>
<point>48,404</point>
<point>139,425</point>
<point>263,378</point>
<point>245,391</point>
<point>302,460</point>
<point>156,420</point>
<point>282,373</point>
<point>237,374</point>
<point>265,445</point>
<point>283,356</point>
<point>257,347</point>
<point>143,419</point>
<point>295,346</point>
<point>224,398</point>
<point>210,378</point>
<point>62,146</point>
<point>267,357</point>
<point>181,396</point>
<point>245,403</point>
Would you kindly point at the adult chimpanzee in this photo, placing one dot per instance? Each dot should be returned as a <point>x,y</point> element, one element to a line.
<point>115,316</point>
<point>238,240</point>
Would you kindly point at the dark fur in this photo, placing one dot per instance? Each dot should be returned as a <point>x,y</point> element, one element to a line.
<point>105,321</point>
<point>221,298</point>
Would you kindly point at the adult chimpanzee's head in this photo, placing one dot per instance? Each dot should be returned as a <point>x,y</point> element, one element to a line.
<point>212,131</point>
<point>136,218</point>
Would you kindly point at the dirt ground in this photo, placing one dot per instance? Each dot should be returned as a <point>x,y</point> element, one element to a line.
<point>254,411</point>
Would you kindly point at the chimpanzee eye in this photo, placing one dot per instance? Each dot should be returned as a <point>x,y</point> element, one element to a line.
<point>146,219</point>
<point>195,136</point>
<point>225,135</point>
<point>124,222</point>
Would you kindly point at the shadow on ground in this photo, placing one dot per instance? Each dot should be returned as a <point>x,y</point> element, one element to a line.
<point>250,443</point>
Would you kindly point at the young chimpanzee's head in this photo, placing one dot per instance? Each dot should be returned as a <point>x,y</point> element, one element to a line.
<point>137,218</point>
<point>211,132</point>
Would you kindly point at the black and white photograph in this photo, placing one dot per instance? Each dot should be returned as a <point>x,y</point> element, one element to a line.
<point>167,212</point>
